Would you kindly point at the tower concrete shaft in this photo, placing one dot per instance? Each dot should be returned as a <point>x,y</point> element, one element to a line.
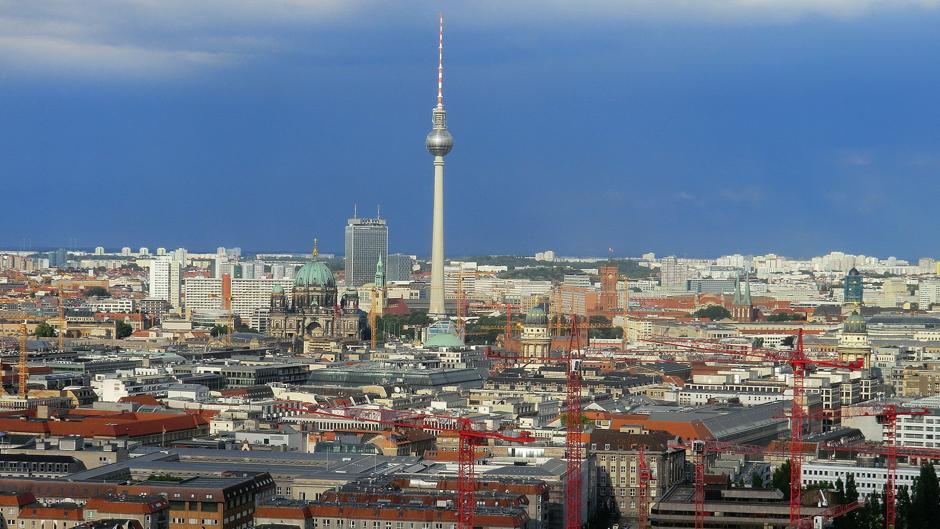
<point>436,306</point>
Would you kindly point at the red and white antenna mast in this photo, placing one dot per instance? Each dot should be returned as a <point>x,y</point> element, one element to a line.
<point>440,65</point>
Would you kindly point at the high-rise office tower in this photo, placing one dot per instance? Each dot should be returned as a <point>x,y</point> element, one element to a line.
<point>439,142</point>
<point>58,258</point>
<point>366,243</point>
<point>674,273</point>
<point>166,281</point>
<point>854,287</point>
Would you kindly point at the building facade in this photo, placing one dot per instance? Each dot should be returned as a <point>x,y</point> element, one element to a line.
<point>366,244</point>
<point>166,281</point>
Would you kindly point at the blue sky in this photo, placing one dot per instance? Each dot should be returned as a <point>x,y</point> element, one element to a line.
<point>687,127</point>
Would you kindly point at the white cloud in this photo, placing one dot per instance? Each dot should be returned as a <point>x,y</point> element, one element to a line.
<point>855,158</point>
<point>745,195</point>
<point>161,37</point>
<point>146,38</point>
<point>717,10</point>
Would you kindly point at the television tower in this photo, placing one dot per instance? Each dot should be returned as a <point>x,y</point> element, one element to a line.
<point>439,142</point>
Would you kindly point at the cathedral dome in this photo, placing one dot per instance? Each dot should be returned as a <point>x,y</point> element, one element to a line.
<point>277,289</point>
<point>536,316</point>
<point>314,274</point>
<point>855,324</point>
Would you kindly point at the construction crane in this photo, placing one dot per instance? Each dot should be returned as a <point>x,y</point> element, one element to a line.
<point>460,319</point>
<point>701,448</point>
<point>62,323</point>
<point>799,364</point>
<point>643,496</point>
<point>23,369</point>
<point>468,439</point>
<point>373,322</point>
<point>575,429</point>
<point>23,364</point>
<point>888,413</point>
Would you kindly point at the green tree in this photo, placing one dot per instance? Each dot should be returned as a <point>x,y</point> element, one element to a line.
<point>852,519</point>
<point>99,292</point>
<point>840,523</point>
<point>219,330</point>
<point>242,327</point>
<point>44,330</point>
<point>925,503</point>
<point>902,508</point>
<point>757,480</point>
<point>785,316</point>
<point>486,329</point>
<point>788,341</point>
<point>871,516</point>
<point>124,330</point>
<point>604,330</point>
<point>404,325</point>
<point>781,479</point>
<point>712,312</point>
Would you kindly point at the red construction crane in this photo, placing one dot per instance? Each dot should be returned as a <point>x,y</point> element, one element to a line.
<point>573,440</point>
<point>888,413</point>
<point>643,495</point>
<point>800,364</point>
<point>468,439</point>
<point>700,449</point>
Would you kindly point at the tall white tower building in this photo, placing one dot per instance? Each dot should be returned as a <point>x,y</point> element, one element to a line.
<point>439,142</point>
<point>166,281</point>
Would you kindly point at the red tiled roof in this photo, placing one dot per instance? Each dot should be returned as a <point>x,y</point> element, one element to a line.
<point>38,512</point>
<point>685,430</point>
<point>109,426</point>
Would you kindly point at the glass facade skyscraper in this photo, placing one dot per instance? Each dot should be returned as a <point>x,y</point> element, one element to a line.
<point>366,242</point>
<point>853,288</point>
<point>398,267</point>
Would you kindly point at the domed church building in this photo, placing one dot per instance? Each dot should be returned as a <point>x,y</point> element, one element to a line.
<point>316,318</point>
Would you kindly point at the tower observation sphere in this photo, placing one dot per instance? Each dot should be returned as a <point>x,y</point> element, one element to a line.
<point>439,141</point>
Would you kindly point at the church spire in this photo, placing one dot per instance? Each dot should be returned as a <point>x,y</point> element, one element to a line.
<point>315,252</point>
<point>379,274</point>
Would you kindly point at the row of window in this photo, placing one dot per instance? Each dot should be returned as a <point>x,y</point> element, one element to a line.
<point>364,524</point>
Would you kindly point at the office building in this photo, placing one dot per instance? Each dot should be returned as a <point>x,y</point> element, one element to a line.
<point>166,281</point>
<point>58,258</point>
<point>674,273</point>
<point>366,244</point>
<point>247,296</point>
<point>853,290</point>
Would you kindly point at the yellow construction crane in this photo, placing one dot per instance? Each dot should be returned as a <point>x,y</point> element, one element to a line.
<point>22,366</point>
<point>23,369</point>
<point>373,320</point>
<point>62,323</point>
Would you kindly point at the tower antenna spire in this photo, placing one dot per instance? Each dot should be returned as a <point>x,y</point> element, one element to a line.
<point>440,64</point>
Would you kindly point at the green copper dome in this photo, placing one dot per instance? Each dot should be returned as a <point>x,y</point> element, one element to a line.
<point>277,289</point>
<point>445,340</point>
<point>314,274</point>
<point>855,324</point>
<point>536,316</point>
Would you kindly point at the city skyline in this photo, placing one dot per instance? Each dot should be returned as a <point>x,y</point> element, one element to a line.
<point>652,97</point>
